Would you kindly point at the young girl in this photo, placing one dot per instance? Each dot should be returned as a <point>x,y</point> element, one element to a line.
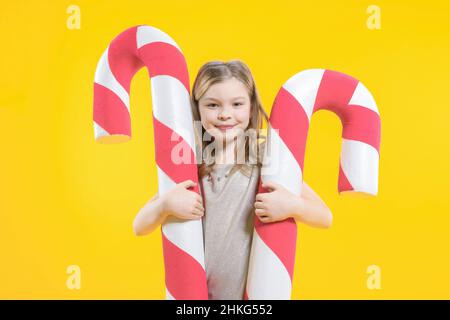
<point>225,100</point>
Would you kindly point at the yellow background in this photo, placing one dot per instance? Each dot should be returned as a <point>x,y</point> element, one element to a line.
<point>67,200</point>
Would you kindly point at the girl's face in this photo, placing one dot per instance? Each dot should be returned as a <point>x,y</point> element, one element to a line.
<point>225,109</point>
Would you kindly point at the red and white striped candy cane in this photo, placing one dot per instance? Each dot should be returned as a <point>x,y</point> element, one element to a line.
<point>173,125</point>
<point>273,249</point>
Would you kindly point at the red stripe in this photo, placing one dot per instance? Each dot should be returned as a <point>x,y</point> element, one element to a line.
<point>362,124</point>
<point>290,118</point>
<point>164,59</point>
<point>335,91</point>
<point>178,172</point>
<point>110,112</point>
<point>123,59</point>
<point>185,277</point>
<point>343,182</point>
<point>280,237</point>
<point>359,123</point>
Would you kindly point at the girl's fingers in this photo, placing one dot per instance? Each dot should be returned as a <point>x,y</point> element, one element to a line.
<point>259,205</point>
<point>197,212</point>
<point>200,207</point>
<point>260,212</point>
<point>262,218</point>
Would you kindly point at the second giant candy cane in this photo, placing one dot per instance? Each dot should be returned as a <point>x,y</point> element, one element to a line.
<point>172,121</point>
<point>274,244</point>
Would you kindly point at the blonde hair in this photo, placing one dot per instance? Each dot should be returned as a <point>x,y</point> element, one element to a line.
<point>215,72</point>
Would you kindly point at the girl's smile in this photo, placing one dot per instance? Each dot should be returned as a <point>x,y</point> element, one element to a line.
<point>225,128</point>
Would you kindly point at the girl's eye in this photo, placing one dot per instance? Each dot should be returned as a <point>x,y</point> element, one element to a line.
<point>212,105</point>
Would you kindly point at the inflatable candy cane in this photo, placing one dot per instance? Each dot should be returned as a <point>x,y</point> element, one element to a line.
<point>273,248</point>
<point>173,125</point>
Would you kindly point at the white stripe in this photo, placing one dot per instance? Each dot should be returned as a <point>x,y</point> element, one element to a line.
<point>279,164</point>
<point>165,183</point>
<point>171,106</point>
<point>99,131</point>
<point>185,234</point>
<point>105,77</point>
<point>267,278</point>
<point>169,296</point>
<point>304,87</point>
<point>359,162</point>
<point>362,97</point>
<point>148,34</point>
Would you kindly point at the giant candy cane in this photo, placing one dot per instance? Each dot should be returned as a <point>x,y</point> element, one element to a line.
<point>172,121</point>
<point>273,248</point>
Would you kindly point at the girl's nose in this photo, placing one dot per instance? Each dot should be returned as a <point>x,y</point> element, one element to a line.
<point>224,116</point>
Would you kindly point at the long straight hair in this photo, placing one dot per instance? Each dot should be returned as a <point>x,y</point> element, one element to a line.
<point>215,72</point>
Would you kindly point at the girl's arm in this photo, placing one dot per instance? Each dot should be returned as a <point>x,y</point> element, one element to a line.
<point>312,210</point>
<point>149,217</point>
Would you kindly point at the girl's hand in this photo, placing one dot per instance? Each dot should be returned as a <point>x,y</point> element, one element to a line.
<point>276,205</point>
<point>183,203</point>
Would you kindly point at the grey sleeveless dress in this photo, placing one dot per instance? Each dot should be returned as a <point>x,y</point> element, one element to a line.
<point>228,229</point>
